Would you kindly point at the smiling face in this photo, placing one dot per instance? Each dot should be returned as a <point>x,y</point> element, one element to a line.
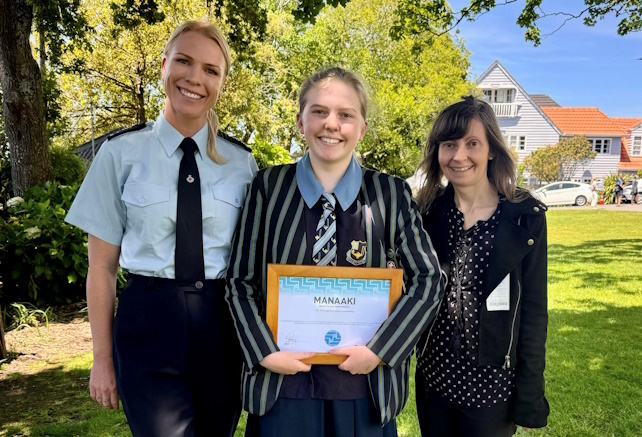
<point>464,161</point>
<point>332,123</point>
<point>193,72</point>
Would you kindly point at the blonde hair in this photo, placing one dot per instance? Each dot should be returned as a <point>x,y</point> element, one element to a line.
<point>211,31</point>
<point>453,123</point>
<point>345,76</point>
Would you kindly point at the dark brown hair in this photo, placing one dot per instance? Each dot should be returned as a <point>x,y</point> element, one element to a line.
<point>452,124</point>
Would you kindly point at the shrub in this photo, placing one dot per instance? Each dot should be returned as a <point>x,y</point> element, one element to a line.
<point>44,259</point>
<point>609,187</point>
<point>68,168</point>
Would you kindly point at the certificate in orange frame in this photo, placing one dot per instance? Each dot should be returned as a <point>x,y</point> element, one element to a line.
<point>320,303</point>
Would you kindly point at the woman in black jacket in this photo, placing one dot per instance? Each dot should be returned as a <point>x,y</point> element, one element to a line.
<point>480,367</point>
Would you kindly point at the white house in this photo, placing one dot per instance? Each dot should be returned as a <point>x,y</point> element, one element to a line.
<point>631,152</point>
<point>529,122</point>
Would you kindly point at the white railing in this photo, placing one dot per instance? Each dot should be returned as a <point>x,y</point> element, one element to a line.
<point>505,109</point>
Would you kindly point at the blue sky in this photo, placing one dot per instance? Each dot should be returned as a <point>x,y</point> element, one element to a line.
<point>576,66</point>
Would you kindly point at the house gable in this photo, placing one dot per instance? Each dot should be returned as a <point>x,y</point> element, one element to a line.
<point>528,128</point>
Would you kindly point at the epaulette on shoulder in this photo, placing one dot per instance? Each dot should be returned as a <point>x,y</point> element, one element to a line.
<point>233,140</point>
<point>134,128</point>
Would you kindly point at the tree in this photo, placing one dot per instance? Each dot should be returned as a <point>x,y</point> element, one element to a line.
<point>560,161</point>
<point>409,83</point>
<point>22,104</point>
<point>436,16</point>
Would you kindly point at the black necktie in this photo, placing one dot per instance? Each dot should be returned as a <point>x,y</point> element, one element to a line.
<point>189,217</point>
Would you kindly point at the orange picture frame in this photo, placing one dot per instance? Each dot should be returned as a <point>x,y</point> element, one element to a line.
<point>276,271</point>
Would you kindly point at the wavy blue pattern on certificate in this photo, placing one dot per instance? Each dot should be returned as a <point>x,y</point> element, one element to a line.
<point>334,286</point>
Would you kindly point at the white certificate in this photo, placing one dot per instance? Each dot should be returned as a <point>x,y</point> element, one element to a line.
<point>319,314</point>
<point>316,309</point>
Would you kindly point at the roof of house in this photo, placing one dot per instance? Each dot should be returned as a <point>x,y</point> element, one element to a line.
<point>627,122</point>
<point>543,100</point>
<point>628,162</point>
<point>583,121</point>
<point>84,150</point>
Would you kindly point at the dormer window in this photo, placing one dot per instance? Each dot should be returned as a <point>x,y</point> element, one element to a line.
<point>500,95</point>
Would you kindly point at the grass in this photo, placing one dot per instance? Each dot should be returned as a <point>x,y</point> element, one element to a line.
<point>594,363</point>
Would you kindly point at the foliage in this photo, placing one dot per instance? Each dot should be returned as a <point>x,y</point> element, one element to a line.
<point>309,9</point>
<point>25,314</point>
<point>436,17</point>
<point>133,12</point>
<point>44,259</point>
<point>560,161</point>
<point>267,154</point>
<point>609,186</point>
<point>68,167</point>
<point>62,26</point>
<point>520,174</point>
<point>407,85</point>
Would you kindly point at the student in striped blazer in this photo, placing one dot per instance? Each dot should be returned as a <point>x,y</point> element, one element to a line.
<point>283,215</point>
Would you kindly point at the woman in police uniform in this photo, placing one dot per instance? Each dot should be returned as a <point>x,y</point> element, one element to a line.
<point>168,215</point>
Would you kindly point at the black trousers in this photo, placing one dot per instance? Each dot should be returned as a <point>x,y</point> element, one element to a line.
<point>177,358</point>
<point>320,418</point>
<point>438,417</point>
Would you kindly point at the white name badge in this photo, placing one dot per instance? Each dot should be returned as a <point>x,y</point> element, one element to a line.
<point>499,299</point>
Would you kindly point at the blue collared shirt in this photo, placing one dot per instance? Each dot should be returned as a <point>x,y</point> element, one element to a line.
<point>128,198</point>
<point>311,189</point>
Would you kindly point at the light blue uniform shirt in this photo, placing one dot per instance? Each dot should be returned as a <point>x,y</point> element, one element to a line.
<point>128,198</point>
<point>311,189</point>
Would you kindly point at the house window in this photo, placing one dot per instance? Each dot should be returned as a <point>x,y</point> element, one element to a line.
<point>636,146</point>
<point>516,142</point>
<point>506,95</point>
<point>601,145</point>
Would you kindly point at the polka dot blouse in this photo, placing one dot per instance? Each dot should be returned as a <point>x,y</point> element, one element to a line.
<point>450,361</point>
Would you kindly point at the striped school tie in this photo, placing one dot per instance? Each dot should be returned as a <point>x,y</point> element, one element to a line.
<point>324,251</point>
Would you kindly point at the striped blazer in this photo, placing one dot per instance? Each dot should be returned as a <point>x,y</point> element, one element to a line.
<point>272,230</point>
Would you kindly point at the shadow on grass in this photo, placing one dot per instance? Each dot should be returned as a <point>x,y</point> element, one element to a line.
<point>594,371</point>
<point>55,402</point>
<point>596,257</point>
<point>593,377</point>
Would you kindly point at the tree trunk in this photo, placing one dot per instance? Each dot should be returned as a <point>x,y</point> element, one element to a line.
<point>3,344</point>
<point>23,104</point>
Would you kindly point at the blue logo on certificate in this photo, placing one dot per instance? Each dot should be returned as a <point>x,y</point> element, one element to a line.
<point>332,338</point>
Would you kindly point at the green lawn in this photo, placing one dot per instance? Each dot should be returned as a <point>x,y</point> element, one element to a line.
<point>594,369</point>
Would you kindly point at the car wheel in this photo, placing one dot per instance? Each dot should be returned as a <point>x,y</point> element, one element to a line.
<point>580,200</point>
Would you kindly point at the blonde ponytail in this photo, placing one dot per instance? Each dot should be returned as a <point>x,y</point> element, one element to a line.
<point>212,129</point>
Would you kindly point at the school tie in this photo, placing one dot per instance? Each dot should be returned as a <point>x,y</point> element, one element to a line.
<point>324,251</point>
<point>189,263</point>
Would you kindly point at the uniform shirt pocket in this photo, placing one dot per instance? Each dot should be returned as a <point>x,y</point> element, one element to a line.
<point>147,210</point>
<point>143,195</point>
<point>231,194</point>
<point>221,212</point>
